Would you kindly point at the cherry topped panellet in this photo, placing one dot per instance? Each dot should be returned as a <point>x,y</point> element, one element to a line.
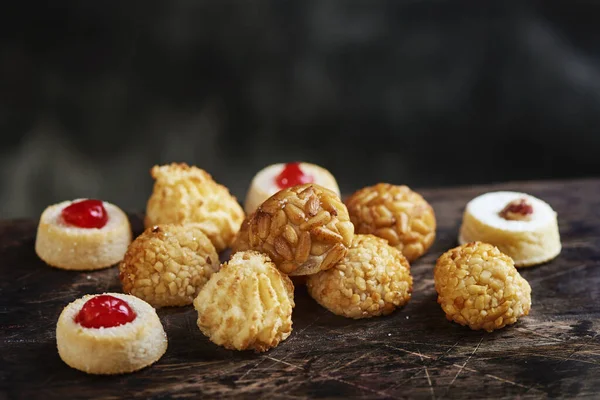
<point>276,177</point>
<point>82,234</point>
<point>104,311</point>
<point>85,214</point>
<point>110,333</point>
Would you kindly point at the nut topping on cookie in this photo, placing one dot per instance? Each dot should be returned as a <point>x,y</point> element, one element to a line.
<point>517,210</point>
<point>304,229</point>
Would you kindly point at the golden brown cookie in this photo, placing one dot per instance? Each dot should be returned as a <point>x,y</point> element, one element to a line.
<point>247,304</point>
<point>396,214</point>
<point>188,195</point>
<point>303,229</point>
<point>167,265</point>
<point>371,280</point>
<point>479,286</point>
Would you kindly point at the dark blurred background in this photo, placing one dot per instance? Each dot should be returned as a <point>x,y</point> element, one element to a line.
<point>427,93</point>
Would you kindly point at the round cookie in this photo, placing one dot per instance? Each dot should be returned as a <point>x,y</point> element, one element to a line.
<point>303,229</point>
<point>188,195</point>
<point>479,286</point>
<point>520,225</point>
<point>62,244</point>
<point>110,350</point>
<point>395,213</point>
<point>247,304</point>
<point>371,280</point>
<point>276,177</point>
<point>167,265</point>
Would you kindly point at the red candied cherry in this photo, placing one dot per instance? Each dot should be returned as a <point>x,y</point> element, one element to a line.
<point>517,210</point>
<point>86,214</point>
<point>104,311</point>
<point>292,175</point>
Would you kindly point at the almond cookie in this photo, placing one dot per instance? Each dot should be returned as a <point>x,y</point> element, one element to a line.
<point>396,214</point>
<point>247,304</point>
<point>303,229</point>
<point>167,265</point>
<point>521,226</point>
<point>479,286</point>
<point>111,333</point>
<point>371,280</point>
<point>82,235</point>
<point>276,177</point>
<point>188,195</point>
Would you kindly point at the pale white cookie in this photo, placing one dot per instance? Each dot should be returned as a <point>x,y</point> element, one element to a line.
<point>115,350</point>
<point>520,225</point>
<point>65,246</point>
<point>264,184</point>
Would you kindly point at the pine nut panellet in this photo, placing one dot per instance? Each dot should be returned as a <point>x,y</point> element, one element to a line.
<point>303,229</point>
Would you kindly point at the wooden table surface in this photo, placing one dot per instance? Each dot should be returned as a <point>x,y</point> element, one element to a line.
<point>413,353</point>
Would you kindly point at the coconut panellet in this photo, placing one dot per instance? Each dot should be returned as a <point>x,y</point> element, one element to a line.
<point>372,279</point>
<point>167,265</point>
<point>83,234</point>
<point>480,287</point>
<point>247,304</point>
<point>395,213</point>
<point>188,195</point>
<point>304,229</point>
<point>109,333</point>
<point>520,225</point>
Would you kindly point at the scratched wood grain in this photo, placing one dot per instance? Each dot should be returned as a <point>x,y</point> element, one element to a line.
<point>414,353</point>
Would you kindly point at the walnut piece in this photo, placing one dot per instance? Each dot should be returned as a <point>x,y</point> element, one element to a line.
<point>167,265</point>
<point>396,214</point>
<point>479,286</point>
<point>372,279</point>
<point>304,229</point>
<point>517,210</point>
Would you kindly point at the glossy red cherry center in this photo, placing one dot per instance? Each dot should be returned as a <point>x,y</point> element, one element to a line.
<point>104,311</point>
<point>292,175</point>
<point>86,214</point>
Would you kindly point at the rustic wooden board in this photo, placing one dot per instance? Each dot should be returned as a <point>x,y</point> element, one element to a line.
<point>413,353</point>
